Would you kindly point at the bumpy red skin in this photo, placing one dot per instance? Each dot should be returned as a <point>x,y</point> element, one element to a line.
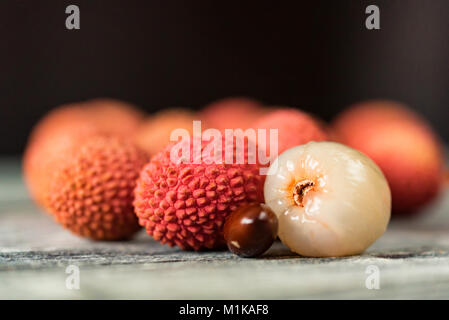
<point>402,144</point>
<point>294,128</point>
<point>43,155</point>
<point>57,133</point>
<point>91,194</point>
<point>187,204</point>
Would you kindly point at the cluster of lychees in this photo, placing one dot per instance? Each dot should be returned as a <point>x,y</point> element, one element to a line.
<point>102,168</point>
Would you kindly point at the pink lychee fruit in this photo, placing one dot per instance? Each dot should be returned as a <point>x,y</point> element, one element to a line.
<point>55,135</point>
<point>186,203</point>
<point>114,116</point>
<point>402,144</point>
<point>154,133</point>
<point>232,113</point>
<point>44,155</point>
<point>91,192</point>
<point>294,127</point>
<point>106,115</point>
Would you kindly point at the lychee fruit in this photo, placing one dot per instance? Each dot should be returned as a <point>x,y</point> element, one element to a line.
<point>55,135</point>
<point>232,113</point>
<point>91,193</point>
<point>154,133</point>
<point>186,203</point>
<point>114,116</point>
<point>331,200</point>
<point>106,115</point>
<point>45,154</point>
<point>294,128</point>
<point>402,144</point>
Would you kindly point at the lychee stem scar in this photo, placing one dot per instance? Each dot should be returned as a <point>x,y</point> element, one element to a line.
<point>300,189</point>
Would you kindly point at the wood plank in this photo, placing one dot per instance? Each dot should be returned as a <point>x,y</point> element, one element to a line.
<point>412,257</point>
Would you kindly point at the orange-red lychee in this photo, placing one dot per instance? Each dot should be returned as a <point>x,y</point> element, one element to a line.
<point>402,143</point>
<point>294,127</point>
<point>57,133</point>
<point>186,203</point>
<point>154,133</point>
<point>232,113</point>
<point>91,193</point>
<point>106,115</point>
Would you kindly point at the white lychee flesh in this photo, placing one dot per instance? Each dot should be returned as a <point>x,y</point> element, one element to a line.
<point>330,199</point>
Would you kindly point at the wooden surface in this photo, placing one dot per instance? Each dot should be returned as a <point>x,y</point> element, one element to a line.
<point>412,257</point>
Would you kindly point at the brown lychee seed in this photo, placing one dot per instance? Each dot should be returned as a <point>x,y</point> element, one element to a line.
<point>251,230</point>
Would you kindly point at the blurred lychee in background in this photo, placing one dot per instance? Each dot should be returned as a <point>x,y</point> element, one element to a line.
<point>402,143</point>
<point>87,185</point>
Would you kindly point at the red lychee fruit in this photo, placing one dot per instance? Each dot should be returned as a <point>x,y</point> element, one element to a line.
<point>66,118</point>
<point>294,127</point>
<point>55,135</point>
<point>114,116</point>
<point>106,115</point>
<point>402,144</point>
<point>186,204</point>
<point>154,133</point>
<point>91,193</point>
<point>43,156</point>
<point>232,113</point>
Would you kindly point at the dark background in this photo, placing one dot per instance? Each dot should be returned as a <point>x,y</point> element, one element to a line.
<point>316,55</point>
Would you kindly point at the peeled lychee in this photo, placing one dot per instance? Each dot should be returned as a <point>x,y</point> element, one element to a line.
<point>331,200</point>
<point>294,128</point>
<point>232,113</point>
<point>55,135</point>
<point>403,145</point>
<point>91,193</point>
<point>186,204</point>
<point>154,133</point>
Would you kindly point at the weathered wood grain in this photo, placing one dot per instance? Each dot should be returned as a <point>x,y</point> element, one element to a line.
<point>413,259</point>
